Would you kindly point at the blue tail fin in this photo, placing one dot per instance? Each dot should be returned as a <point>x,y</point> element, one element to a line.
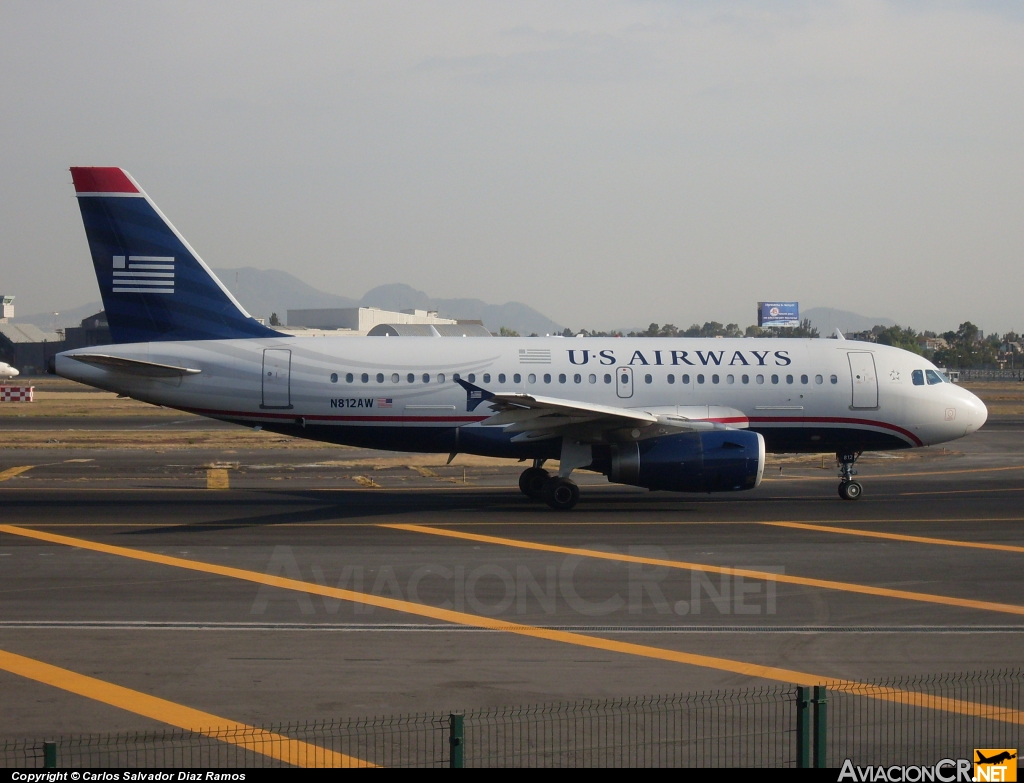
<point>153,284</point>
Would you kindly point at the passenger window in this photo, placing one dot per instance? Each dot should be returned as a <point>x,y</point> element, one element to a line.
<point>775,379</point>
<point>592,378</point>
<point>501,377</point>
<point>349,377</point>
<point>411,378</point>
<point>803,379</point>
<point>531,378</point>
<point>834,380</point>
<point>561,377</point>
<point>517,378</point>
<point>365,378</point>
<point>746,379</point>
<point>426,378</point>
<point>648,379</point>
<point>487,377</point>
<point>671,378</point>
<point>456,376</point>
<point>607,378</point>
<point>819,380</point>
<point>700,379</point>
<point>547,378</point>
<point>440,377</point>
<point>685,379</point>
<point>730,379</point>
<point>577,378</point>
<point>471,378</point>
<point>334,377</point>
<point>933,377</point>
<point>380,377</point>
<point>714,379</point>
<point>394,377</point>
<point>789,379</point>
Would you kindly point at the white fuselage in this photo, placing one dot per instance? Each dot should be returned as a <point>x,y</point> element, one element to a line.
<point>399,393</point>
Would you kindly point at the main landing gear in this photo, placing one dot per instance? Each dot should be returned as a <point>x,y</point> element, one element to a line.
<point>559,493</point>
<point>848,488</point>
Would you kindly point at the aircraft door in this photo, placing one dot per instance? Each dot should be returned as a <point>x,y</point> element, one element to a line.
<point>865,380</point>
<point>624,382</point>
<point>277,378</point>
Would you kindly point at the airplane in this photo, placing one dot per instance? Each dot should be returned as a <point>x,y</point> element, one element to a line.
<point>1004,756</point>
<point>6,371</point>
<point>677,414</point>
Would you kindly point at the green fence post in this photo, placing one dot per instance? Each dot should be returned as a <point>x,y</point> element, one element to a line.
<point>457,741</point>
<point>50,755</point>
<point>803,727</point>
<point>820,726</point>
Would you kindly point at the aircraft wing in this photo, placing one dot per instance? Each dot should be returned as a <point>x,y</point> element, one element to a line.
<point>134,366</point>
<point>535,417</point>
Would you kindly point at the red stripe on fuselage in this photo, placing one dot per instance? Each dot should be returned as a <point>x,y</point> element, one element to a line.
<point>315,417</point>
<point>101,179</point>
<point>836,420</point>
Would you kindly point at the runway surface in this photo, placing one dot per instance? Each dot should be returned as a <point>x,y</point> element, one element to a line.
<point>265,586</point>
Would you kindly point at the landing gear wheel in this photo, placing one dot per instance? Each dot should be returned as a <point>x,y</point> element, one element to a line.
<point>560,493</point>
<point>850,490</point>
<point>531,482</point>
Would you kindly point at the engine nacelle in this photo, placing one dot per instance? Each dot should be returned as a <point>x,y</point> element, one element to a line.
<point>714,461</point>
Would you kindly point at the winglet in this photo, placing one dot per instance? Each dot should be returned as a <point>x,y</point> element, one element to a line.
<point>839,335</point>
<point>474,394</point>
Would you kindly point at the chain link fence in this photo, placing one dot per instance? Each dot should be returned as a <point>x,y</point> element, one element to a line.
<point>906,721</point>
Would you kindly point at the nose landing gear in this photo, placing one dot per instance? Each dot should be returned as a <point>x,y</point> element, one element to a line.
<point>848,488</point>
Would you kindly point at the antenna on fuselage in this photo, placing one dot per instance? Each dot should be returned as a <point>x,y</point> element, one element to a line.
<point>839,335</point>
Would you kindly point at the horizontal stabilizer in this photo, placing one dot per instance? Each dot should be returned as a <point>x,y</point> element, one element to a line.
<point>133,366</point>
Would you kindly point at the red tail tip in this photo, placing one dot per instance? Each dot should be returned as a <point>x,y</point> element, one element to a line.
<point>101,179</point>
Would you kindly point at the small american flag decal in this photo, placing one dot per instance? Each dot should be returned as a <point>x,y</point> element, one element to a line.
<point>534,356</point>
<point>384,402</point>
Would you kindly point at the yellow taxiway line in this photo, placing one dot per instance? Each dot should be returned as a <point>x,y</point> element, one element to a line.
<point>549,634</point>
<point>217,478</point>
<point>897,536</point>
<point>848,587</point>
<point>276,746</point>
<point>12,472</point>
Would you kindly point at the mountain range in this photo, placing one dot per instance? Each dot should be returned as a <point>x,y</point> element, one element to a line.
<point>828,319</point>
<point>266,291</point>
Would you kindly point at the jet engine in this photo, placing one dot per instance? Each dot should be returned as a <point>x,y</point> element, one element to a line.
<point>710,461</point>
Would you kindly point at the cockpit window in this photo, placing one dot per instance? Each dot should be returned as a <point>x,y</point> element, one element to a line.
<point>917,376</point>
<point>933,377</point>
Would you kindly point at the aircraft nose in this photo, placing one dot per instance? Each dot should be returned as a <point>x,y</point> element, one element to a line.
<point>977,412</point>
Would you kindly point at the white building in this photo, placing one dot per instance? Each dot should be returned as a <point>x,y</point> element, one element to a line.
<point>356,320</point>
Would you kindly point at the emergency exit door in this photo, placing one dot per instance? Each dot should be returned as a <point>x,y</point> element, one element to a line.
<point>624,382</point>
<point>277,378</point>
<point>865,380</point>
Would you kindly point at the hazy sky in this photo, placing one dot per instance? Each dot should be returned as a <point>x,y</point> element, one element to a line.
<point>609,163</point>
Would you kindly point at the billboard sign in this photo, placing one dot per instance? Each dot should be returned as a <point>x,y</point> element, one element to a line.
<point>778,314</point>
